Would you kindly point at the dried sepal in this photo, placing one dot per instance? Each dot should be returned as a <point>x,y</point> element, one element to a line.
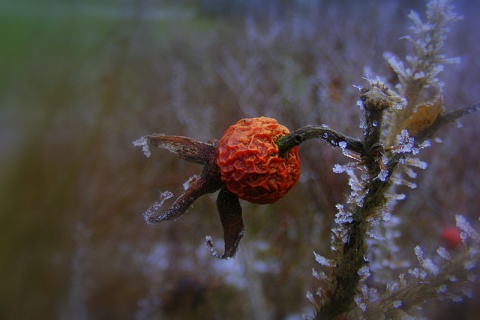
<point>185,148</point>
<point>230,211</point>
<point>208,182</point>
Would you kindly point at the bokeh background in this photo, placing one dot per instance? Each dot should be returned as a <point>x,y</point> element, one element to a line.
<point>80,80</point>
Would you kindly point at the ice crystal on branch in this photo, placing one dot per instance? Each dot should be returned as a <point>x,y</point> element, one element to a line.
<point>143,143</point>
<point>153,209</point>
<point>428,38</point>
<point>418,78</point>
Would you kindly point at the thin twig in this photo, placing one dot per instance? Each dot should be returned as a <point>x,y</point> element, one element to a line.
<point>332,137</point>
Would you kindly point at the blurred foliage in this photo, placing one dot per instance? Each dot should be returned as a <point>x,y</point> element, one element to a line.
<point>82,80</point>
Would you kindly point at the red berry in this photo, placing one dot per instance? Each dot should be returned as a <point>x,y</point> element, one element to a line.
<point>249,162</point>
<point>451,236</point>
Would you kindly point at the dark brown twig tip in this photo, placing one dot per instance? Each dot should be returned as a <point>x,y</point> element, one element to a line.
<point>323,132</point>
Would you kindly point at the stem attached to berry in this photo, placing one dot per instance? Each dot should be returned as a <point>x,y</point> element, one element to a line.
<point>330,136</point>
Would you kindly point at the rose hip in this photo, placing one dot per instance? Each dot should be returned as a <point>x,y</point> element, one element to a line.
<point>249,162</point>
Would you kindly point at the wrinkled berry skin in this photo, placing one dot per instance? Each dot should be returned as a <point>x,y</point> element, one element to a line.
<point>249,162</point>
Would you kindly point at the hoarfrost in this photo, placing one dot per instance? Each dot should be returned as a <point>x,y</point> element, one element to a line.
<point>383,175</point>
<point>342,216</point>
<point>310,298</point>
<point>417,273</point>
<point>392,286</point>
<point>442,252</point>
<point>419,75</point>
<point>419,253</point>
<point>470,265</point>
<point>463,224</point>
<point>319,275</point>
<point>411,185</point>
<point>396,196</point>
<point>375,234</point>
<point>427,263</point>
<point>472,277</point>
<point>143,143</point>
<point>342,144</point>
<point>415,162</point>
<point>363,124</point>
<point>412,174</point>
<point>397,304</point>
<point>156,206</point>
<point>424,144</point>
<point>187,183</point>
<point>360,303</point>
<point>455,298</point>
<point>364,273</point>
<point>322,260</point>
<point>405,143</point>
<point>403,280</point>
<point>339,168</point>
<point>442,289</point>
<point>430,266</point>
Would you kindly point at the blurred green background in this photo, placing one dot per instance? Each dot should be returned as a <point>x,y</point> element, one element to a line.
<point>80,80</point>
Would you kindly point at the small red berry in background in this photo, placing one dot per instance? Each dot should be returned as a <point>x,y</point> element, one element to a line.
<point>451,236</point>
<point>249,162</point>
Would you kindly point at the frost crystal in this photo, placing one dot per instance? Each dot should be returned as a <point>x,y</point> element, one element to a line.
<point>342,216</point>
<point>427,263</point>
<point>360,303</point>
<point>442,289</point>
<point>322,260</point>
<point>412,174</point>
<point>319,275</point>
<point>156,206</point>
<point>143,143</point>
<point>405,143</point>
<point>383,175</point>
<point>310,298</point>
<point>472,277</point>
<point>397,304</point>
<point>187,183</point>
<point>442,252</point>
<point>364,272</point>
<point>417,273</point>
<point>455,298</point>
<point>463,224</point>
<point>392,286</point>
<point>415,162</point>
<point>469,265</point>
<point>430,266</point>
